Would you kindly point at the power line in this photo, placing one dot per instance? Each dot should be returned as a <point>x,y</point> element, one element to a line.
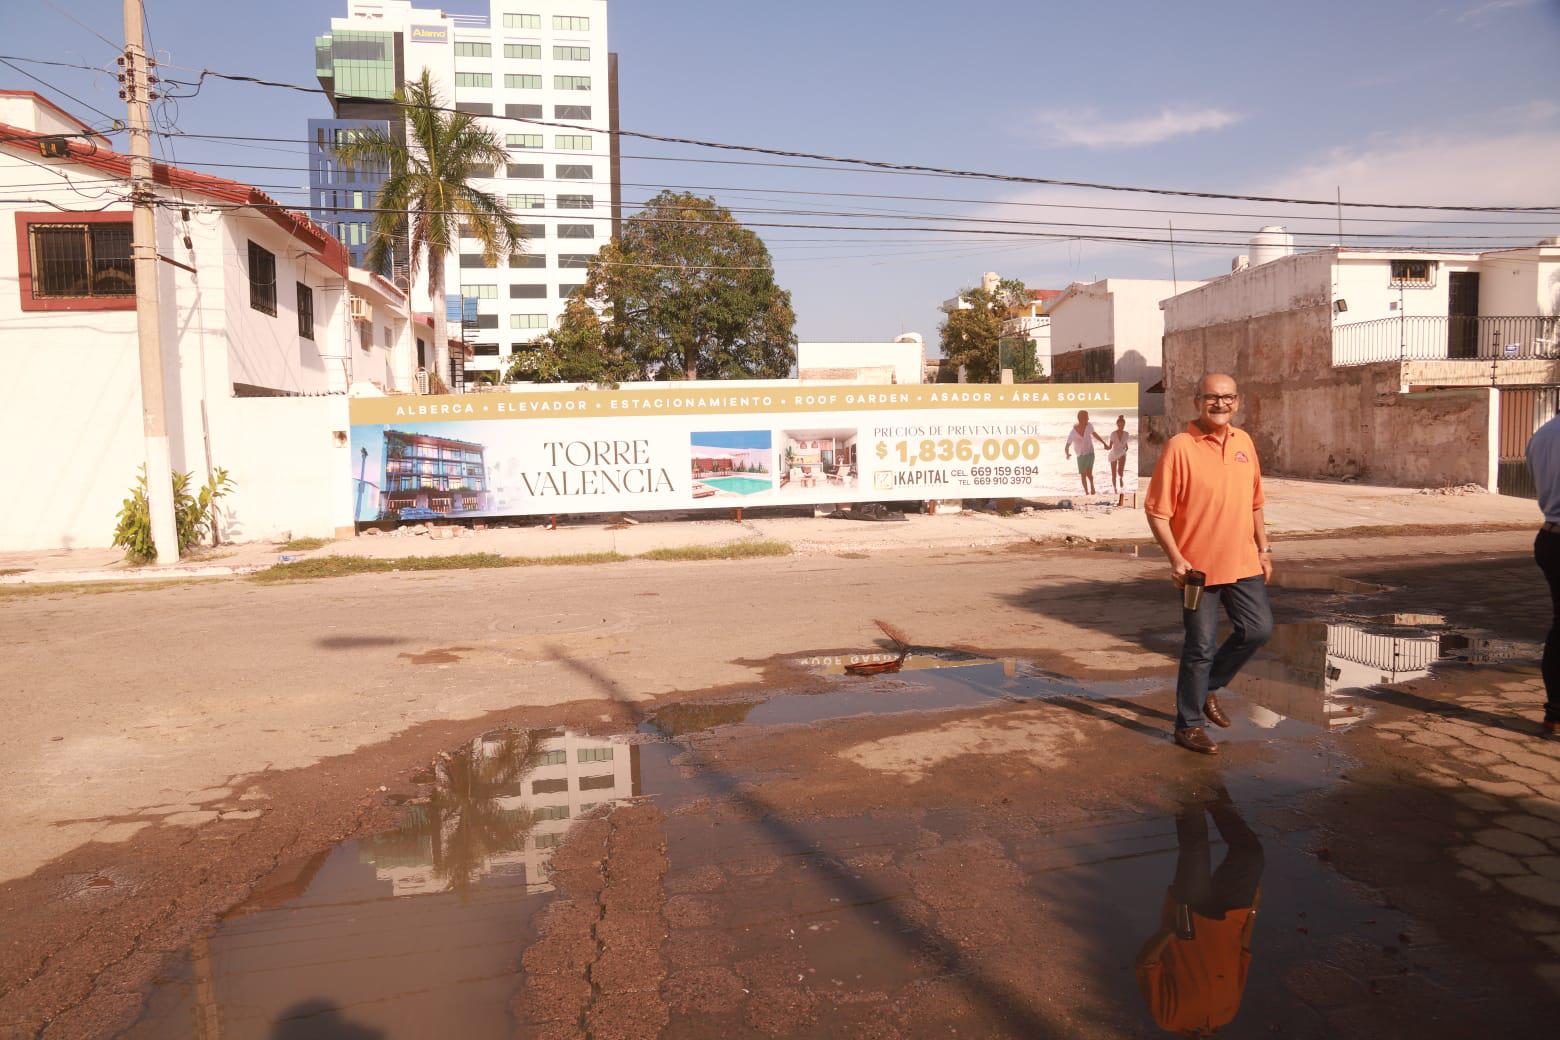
<point>57,90</point>
<point>879,164</point>
<point>60,10</point>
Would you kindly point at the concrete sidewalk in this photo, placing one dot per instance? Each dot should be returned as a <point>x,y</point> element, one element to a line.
<point>1293,507</point>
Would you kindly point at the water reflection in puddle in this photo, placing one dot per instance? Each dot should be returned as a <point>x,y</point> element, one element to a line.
<point>418,931</point>
<point>414,932</point>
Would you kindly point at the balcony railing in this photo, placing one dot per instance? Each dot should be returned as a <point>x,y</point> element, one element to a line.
<point>1428,338</point>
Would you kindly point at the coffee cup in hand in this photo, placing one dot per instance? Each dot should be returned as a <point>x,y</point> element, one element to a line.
<point>1192,590</point>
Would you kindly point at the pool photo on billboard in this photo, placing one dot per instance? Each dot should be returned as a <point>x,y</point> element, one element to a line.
<point>732,463</point>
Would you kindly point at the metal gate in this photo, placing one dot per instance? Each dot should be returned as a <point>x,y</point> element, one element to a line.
<point>1522,411</point>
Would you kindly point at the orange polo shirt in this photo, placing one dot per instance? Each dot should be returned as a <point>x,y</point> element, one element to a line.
<point>1208,491</point>
<point>1195,986</point>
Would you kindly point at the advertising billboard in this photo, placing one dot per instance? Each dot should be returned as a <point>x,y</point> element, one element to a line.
<point>672,447</point>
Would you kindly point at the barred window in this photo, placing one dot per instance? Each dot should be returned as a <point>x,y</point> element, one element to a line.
<point>576,201</point>
<point>522,81</point>
<point>82,260</point>
<point>1413,272</point>
<point>262,280</point>
<point>473,50</point>
<point>522,21</point>
<point>552,758</point>
<point>528,321</point>
<point>473,79</point>
<point>571,82</point>
<point>571,54</point>
<point>523,140</point>
<point>527,202</point>
<point>306,313</point>
<point>571,23</point>
<point>570,172</point>
<point>479,292</point>
<point>595,754</point>
<point>574,142</point>
<point>523,51</point>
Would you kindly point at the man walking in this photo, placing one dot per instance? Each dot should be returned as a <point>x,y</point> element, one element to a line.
<point>1204,507</point>
<point>1543,458</point>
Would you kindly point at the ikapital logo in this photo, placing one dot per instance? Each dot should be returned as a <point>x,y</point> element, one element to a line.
<point>430,34</point>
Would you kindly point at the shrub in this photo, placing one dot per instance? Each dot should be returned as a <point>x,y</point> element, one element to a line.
<point>192,515</point>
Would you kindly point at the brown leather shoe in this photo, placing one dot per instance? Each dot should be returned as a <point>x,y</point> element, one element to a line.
<point>1551,729</point>
<point>1215,713</point>
<point>1196,739</point>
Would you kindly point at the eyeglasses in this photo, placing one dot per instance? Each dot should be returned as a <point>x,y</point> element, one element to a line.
<point>1218,398</point>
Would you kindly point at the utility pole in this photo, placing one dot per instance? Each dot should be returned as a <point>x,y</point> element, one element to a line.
<point>148,322</point>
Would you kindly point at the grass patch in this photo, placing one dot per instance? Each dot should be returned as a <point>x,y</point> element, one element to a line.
<point>728,551</point>
<point>92,588</point>
<point>340,566</point>
<point>302,544</point>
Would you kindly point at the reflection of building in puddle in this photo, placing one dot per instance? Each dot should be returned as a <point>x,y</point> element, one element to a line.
<point>1306,669</point>
<point>500,806</point>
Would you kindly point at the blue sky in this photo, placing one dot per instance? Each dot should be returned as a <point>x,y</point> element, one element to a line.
<point>1451,101</point>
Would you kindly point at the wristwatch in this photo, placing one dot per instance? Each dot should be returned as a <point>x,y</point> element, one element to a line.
<point>1267,551</point>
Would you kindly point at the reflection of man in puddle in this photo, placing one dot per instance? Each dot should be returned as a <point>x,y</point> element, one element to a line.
<point>1193,970</point>
<point>1205,509</point>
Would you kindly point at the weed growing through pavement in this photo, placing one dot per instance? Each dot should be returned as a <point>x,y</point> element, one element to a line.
<point>340,566</point>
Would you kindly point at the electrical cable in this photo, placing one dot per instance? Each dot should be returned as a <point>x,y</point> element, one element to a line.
<point>877,163</point>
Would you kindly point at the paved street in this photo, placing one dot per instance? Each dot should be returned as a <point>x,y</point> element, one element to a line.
<point>981,843</point>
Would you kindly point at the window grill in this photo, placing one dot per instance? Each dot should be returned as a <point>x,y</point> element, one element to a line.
<point>82,260</point>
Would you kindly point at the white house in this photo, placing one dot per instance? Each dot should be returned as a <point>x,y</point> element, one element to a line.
<point>1395,366</point>
<point>259,336</point>
<point>1109,331</point>
<point>901,361</point>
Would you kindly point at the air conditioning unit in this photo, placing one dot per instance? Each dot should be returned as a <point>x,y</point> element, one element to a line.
<point>358,308</point>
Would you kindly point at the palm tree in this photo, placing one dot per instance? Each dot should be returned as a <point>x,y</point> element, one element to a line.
<point>428,186</point>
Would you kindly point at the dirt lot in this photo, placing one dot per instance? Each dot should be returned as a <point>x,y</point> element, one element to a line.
<point>974,845</point>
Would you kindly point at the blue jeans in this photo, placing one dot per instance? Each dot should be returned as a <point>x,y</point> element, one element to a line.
<point>1204,668</point>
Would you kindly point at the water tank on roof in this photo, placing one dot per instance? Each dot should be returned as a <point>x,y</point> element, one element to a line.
<point>989,280</point>
<point>1269,244</point>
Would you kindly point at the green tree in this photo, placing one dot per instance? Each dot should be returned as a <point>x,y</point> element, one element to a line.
<point>575,352</point>
<point>972,335</point>
<point>428,192</point>
<point>688,293</point>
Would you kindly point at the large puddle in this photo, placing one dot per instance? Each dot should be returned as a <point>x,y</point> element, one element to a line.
<point>419,932</point>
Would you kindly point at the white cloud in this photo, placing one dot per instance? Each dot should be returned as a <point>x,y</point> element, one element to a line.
<point>1088,129</point>
<point>1515,168</point>
<point>1484,10</point>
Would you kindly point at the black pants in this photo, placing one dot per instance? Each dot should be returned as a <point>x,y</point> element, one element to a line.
<point>1546,550</point>
<point>1210,893</point>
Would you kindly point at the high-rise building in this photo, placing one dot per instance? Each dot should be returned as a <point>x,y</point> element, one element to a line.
<point>539,74</point>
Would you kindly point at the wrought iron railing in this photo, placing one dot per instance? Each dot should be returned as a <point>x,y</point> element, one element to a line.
<point>1426,338</point>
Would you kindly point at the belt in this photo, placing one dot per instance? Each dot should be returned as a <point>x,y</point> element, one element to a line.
<point>1550,527</point>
